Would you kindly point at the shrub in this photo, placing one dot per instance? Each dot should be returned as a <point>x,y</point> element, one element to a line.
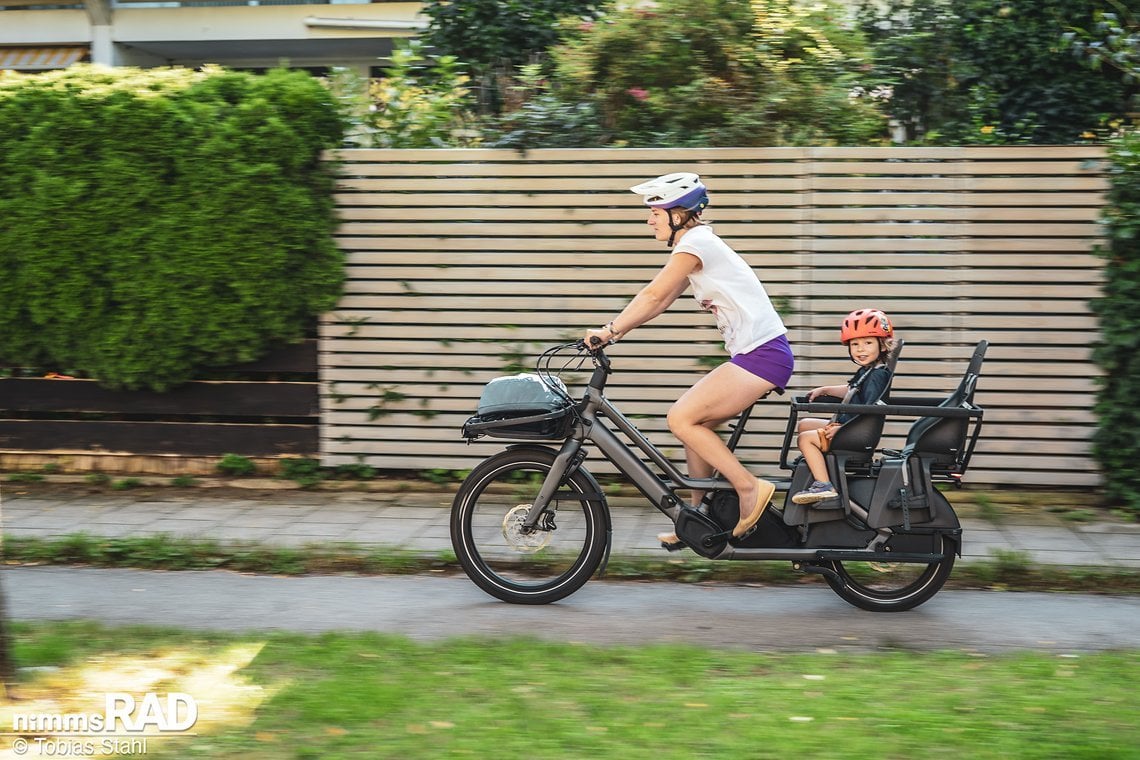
<point>161,221</point>
<point>490,37</point>
<point>420,102</point>
<point>235,464</point>
<point>976,71</point>
<point>304,470</point>
<point>720,72</point>
<point>1118,351</point>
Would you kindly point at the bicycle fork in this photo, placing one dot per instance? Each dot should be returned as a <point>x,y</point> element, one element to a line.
<point>569,458</point>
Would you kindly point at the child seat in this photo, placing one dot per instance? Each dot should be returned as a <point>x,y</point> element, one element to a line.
<point>945,444</point>
<point>937,446</point>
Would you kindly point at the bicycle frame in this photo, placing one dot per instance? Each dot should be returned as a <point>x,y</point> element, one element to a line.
<point>595,407</point>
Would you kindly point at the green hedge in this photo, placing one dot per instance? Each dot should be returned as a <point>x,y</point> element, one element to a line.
<point>155,222</point>
<point>1117,440</point>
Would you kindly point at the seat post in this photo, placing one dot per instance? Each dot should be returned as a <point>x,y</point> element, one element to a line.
<point>738,426</point>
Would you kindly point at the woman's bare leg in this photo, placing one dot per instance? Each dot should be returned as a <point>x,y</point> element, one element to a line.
<point>718,396</point>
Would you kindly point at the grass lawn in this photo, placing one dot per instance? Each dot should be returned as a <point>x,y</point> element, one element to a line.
<point>377,696</point>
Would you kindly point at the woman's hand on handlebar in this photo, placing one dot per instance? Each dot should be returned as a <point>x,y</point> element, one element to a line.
<point>596,339</point>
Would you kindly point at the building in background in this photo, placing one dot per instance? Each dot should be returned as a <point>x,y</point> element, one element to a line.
<point>240,34</point>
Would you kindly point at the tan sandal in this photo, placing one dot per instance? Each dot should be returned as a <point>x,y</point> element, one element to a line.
<point>763,496</point>
<point>670,542</point>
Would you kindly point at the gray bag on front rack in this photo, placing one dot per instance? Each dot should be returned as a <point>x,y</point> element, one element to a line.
<point>524,393</point>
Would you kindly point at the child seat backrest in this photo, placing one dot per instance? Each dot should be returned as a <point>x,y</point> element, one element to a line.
<point>942,440</point>
<point>860,435</point>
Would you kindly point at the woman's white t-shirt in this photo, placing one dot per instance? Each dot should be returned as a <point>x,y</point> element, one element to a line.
<point>727,286</point>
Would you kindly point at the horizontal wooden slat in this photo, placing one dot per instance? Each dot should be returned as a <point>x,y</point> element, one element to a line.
<point>690,155</point>
<point>780,183</point>
<point>187,439</point>
<point>427,244</point>
<point>217,399</point>
<point>379,198</point>
<point>760,227</point>
<point>602,174</point>
<point>552,302</point>
<point>722,214</point>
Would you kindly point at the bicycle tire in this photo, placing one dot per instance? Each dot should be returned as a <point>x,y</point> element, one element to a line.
<point>893,587</point>
<point>537,568</point>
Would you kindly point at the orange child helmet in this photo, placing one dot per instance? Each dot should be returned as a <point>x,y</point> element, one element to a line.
<point>865,323</point>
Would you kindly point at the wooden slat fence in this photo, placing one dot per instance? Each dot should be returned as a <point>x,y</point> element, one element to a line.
<point>465,264</point>
<point>263,409</point>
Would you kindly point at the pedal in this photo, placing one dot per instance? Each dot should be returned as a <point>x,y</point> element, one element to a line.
<point>734,540</point>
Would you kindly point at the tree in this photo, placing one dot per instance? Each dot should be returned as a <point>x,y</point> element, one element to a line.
<point>719,72</point>
<point>1114,41</point>
<point>492,37</point>
<point>976,71</point>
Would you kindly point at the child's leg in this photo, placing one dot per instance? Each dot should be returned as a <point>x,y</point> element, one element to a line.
<point>808,443</point>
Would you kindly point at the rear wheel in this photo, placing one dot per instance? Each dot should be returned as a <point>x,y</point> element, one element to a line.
<point>496,551</point>
<point>892,586</point>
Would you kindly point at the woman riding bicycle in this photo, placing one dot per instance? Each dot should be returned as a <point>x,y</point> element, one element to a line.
<point>754,336</point>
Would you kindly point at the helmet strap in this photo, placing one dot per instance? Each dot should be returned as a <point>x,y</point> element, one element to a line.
<point>678,226</point>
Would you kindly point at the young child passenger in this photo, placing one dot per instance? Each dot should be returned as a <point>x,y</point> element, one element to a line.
<point>869,338</point>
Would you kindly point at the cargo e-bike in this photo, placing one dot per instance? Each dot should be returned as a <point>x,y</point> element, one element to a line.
<point>530,524</point>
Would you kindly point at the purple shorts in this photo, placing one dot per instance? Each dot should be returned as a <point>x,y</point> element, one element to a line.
<point>771,361</point>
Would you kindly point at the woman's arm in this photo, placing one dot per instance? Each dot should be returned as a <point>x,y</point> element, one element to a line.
<point>652,300</point>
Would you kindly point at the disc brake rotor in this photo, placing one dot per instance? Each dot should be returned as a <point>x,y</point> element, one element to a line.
<point>524,543</point>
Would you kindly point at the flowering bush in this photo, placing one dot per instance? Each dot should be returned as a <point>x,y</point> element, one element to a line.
<point>417,105</point>
<point>720,72</point>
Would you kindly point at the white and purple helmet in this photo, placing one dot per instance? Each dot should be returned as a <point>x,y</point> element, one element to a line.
<point>679,190</point>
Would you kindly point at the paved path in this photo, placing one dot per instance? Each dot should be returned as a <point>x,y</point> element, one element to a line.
<point>418,520</point>
<point>429,607</point>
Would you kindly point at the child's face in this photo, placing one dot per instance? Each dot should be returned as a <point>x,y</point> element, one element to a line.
<point>864,350</point>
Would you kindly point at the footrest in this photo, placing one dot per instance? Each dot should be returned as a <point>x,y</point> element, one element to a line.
<point>833,503</point>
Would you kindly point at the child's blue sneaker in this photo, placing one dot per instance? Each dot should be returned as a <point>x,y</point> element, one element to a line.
<point>818,491</point>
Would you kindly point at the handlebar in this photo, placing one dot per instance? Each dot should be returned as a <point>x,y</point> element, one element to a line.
<point>597,354</point>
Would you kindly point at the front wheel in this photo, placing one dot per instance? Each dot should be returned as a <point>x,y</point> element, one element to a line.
<point>501,556</point>
<point>893,586</point>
